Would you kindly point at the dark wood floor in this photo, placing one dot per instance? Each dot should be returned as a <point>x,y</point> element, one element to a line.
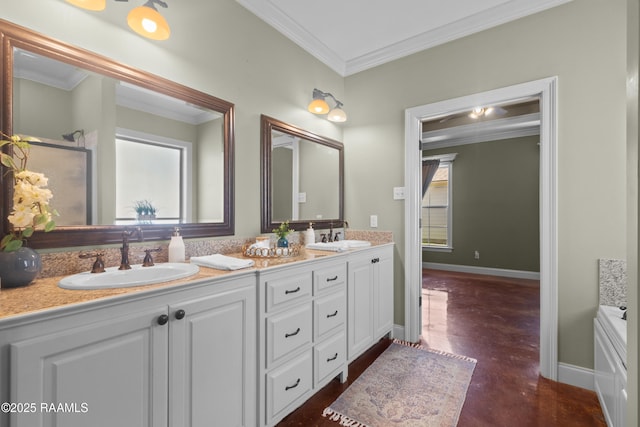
<point>496,321</point>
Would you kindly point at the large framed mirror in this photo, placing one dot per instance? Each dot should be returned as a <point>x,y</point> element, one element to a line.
<point>302,177</point>
<point>139,141</point>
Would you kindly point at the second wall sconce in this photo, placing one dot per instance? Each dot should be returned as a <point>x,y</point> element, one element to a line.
<point>144,20</point>
<point>319,105</point>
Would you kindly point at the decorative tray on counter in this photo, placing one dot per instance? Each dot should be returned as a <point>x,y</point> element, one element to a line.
<point>252,251</point>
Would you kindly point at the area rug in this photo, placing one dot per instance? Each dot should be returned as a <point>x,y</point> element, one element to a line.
<point>406,386</point>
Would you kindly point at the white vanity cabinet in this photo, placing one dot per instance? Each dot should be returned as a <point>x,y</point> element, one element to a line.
<point>610,379</point>
<point>370,297</point>
<point>180,357</point>
<point>302,330</point>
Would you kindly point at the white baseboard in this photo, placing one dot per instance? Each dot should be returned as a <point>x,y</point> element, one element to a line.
<point>517,274</point>
<point>398,332</point>
<point>575,376</point>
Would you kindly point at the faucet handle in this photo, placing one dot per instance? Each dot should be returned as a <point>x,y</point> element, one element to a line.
<point>98,265</point>
<point>148,260</point>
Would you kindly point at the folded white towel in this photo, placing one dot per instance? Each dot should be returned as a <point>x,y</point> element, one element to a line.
<point>222,262</point>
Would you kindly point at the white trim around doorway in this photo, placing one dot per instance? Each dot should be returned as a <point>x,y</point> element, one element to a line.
<point>546,90</point>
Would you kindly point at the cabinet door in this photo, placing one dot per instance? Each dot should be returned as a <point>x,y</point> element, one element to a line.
<point>383,285</point>
<point>360,300</point>
<point>604,375</point>
<point>110,373</point>
<point>212,376</point>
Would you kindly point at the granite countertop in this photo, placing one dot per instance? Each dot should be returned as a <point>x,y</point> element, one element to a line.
<point>45,294</point>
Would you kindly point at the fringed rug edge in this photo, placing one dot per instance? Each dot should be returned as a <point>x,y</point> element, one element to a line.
<point>432,350</point>
<point>341,419</point>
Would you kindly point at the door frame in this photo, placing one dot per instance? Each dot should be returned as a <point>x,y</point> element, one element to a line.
<point>546,90</point>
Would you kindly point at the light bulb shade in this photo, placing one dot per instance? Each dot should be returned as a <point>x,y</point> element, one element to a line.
<point>337,115</point>
<point>148,22</point>
<point>89,4</point>
<point>318,106</point>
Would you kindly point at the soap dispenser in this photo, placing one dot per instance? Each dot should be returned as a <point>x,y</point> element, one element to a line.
<point>176,247</point>
<point>309,235</point>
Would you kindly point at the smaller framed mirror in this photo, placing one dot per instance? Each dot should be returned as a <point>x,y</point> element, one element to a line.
<point>302,177</point>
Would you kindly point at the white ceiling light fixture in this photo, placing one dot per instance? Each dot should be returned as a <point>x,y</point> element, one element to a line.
<point>144,20</point>
<point>320,106</point>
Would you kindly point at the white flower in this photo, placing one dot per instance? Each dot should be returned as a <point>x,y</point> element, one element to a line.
<point>35,178</point>
<point>21,216</point>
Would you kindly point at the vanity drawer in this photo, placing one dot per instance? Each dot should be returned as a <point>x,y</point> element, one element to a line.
<point>285,289</point>
<point>329,276</point>
<point>330,312</point>
<point>329,356</point>
<point>287,332</point>
<point>288,383</point>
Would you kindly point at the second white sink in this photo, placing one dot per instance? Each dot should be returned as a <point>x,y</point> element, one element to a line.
<point>339,246</point>
<point>137,276</point>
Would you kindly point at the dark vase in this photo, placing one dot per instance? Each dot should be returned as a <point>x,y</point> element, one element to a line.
<point>283,242</point>
<point>19,268</point>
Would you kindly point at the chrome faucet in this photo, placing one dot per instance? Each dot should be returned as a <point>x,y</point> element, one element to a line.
<point>124,250</point>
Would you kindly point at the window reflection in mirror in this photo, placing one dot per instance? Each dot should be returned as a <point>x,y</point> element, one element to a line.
<point>81,112</point>
<point>145,146</point>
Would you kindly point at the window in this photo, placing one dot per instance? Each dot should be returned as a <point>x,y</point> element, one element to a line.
<point>149,172</point>
<point>437,207</point>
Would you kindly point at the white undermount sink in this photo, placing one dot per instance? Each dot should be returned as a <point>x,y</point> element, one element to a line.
<point>137,276</point>
<point>340,245</point>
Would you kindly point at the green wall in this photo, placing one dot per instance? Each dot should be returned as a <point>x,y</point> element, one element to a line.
<point>583,43</point>
<point>495,205</point>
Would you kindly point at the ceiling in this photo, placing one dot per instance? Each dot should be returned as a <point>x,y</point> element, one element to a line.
<point>354,35</point>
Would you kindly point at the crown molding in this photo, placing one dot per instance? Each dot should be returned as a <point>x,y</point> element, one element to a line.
<point>486,19</point>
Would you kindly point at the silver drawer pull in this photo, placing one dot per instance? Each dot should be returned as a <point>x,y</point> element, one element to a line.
<point>331,279</point>
<point>335,356</point>
<point>287,292</point>
<point>335,313</point>
<point>289,387</point>
<point>292,334</point>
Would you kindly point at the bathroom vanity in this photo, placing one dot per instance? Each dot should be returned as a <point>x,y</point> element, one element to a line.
<point>242,348</point>
<point>611,364</point>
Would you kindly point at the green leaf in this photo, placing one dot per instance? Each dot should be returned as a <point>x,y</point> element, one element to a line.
<point>7,161</point>
<point>6,239</point>
<point>13,245</point>
<point>39,219</point>
<point>49,226</point>
<point>27,232</point>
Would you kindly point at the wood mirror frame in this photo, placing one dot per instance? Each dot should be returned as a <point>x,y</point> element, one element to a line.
<point>267,222</point>
<point>13,36</point>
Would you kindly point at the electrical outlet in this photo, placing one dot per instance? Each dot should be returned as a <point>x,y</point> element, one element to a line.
<point>373,221</point>
<point>476,255</point>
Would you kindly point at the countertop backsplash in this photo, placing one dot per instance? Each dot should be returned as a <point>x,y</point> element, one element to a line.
<point>613,282</point>
<point>68,262</point>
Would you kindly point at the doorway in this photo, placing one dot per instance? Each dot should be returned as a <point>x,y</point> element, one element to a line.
<point>545,90</point>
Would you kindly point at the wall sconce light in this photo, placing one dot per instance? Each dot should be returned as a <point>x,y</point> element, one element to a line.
<point>320,106</point>
<point>144,20</point>
<point>71,136</point>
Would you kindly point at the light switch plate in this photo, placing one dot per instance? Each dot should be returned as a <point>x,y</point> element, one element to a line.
<point>398,193</point>
<point>373,221</point>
